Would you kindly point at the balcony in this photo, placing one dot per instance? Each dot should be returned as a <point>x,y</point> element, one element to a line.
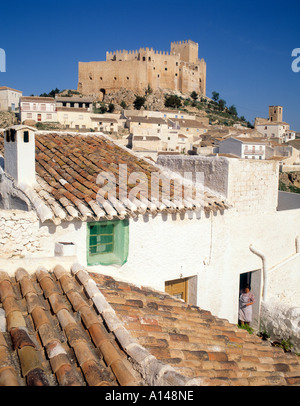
<point>251,152</point>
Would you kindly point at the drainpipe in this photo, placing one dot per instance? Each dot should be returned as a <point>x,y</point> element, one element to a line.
<point>297,244</point>
<point>264,269</point>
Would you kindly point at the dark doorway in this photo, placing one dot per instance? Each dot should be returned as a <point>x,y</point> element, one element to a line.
<point>253,279</point>
<point>102,94</point>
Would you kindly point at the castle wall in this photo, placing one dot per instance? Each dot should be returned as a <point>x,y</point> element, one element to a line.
<point>110,76</point>
<point>134,70</point>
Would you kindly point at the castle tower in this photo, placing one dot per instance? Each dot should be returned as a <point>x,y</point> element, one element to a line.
<point>275,113</point>
<point>188,50</point>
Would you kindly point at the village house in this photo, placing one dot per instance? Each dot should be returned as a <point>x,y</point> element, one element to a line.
<point>181,236</point>
<point>188,127</point>
<point>53,190</point>
<point>37,109</point>
<point>74,118</point>
<point>9,99</point>
<point>274,126</point>
<point>105,124</point>
<point>74,102</point>
<point>246,148</point>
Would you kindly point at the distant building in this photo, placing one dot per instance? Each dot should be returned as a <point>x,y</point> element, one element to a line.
<point>74,102</point>
<point>274,126</point>
<point>74,118</point>
<point>38,109</point>
<point>181,70</point>
<point>248,148</point>
<point>9,99</point>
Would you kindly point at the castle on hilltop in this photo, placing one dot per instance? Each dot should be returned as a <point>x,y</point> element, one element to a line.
<point>180,70</point>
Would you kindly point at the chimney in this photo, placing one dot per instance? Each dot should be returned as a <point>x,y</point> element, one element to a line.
<point>19,154</point>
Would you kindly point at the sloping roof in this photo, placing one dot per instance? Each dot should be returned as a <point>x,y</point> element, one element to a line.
<point>37,99</point>
<point>149,120</point>
<point>78,328</point>
<point>254,140</point>
<point>10,88</point>
<point>295,143</point>
<point>186,123</point>
<point>67,168</point>
<point>56,337</point>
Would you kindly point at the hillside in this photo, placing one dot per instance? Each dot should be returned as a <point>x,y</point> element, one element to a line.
<point>289,182</point>
<point>215,110</point>
<point>7,119</point>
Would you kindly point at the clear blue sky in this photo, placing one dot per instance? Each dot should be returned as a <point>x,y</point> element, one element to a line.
<point>247,44</point>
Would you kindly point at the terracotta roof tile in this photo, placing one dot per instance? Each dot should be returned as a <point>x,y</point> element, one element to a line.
<point>78,328</point>
<point>67,169</point>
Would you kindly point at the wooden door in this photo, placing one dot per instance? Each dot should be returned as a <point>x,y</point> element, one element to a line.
<point>177,288</point>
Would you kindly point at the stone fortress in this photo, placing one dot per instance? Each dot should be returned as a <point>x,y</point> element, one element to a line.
<point>180,70</point>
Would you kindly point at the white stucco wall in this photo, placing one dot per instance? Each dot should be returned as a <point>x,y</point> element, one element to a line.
<point>214,248</point>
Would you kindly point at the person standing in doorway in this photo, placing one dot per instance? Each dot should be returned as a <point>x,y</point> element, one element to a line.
<point>245,306</point>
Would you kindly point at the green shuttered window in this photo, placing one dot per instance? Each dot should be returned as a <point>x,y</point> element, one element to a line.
<point>107,242</point>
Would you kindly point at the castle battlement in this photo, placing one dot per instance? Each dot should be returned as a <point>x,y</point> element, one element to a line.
<point>180,69</point>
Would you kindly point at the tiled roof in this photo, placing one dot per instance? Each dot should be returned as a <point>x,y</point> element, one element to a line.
<point>78,328</point>
<point>37,99</point>
<point>149,120</point>
<point>183,123</point>
<point>51,335</point>
<point>67,167</point>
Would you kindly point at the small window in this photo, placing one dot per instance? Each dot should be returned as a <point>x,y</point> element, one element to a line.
<point>26,136</point>
<point>12,135</point>
<point>108,242</point>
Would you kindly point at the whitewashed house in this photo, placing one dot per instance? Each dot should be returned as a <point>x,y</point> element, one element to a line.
<point>38,109</point>
<point>246,148</point>
<point>9,98</point>
<point>202,246</point>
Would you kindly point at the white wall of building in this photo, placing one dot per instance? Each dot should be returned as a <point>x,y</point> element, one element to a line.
<point>213,247</point>
<point>9,99</point>
<point>272,130</point>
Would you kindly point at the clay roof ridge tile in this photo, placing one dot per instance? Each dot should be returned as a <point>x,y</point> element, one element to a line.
<point>151,369</point>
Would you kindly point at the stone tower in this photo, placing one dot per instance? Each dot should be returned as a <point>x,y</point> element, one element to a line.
<point>186,50</point>
<point>275,113</point>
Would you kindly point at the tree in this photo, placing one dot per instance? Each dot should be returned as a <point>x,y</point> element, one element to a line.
<point>51,94</point>
<point>111,108</point>
<point>194,95</point>
<point>123,104</point>
<point>222,104</point>
<point>172,101</point>
<point>232,110</point>
<point>215,96</point>
<point>139,102</point>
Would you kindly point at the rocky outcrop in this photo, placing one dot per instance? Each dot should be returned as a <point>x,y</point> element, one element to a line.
<point>290,181</point>
<point>7,119</point>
